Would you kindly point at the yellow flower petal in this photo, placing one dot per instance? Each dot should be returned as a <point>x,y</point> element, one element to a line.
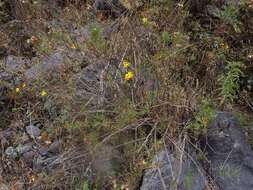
<point>145,21</point>
<point>72,46</point>
<point>129,75</point>
<point>43,93</point>
<point>24,85</point>
<point>17,90</point>
<point>126,64</point>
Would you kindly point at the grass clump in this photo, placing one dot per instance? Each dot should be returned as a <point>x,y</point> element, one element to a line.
<point>230,15</point>
<point>201,119</point>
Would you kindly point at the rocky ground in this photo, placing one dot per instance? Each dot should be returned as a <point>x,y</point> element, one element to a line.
<point>126,95</point>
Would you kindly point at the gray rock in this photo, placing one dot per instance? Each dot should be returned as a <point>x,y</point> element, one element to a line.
<point>213,10</point>
<point>169,174</point>
<point>88,86</point>
<point>42,163</point>
<point>33,131</point>
<point>54,148</point>
<point>21,149</point>
<point>18,64</point>
<point>11,152</point>
<point>113,6</point>
<point>11,69</point>
<point>230,155</point>
<point>28,157</point>
<point>233,2</point>
<point>43,151</point>
<point>51,64</point>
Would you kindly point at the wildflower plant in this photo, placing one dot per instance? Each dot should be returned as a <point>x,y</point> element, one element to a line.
<point>229,82</point>
<point>128,76</point>
<point>126,64</point>
<point>205,114</point>
<point>43,93</point>
<point>144,21</point>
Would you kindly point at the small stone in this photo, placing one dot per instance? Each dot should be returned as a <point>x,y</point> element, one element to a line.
<point>55,147</point>
<point>11,152</point>
<point>33,131</point>
<point>43,151</point>
<point>45,163</point>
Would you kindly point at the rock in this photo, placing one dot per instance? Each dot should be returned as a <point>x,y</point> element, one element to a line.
<point>28,157</point>
<point>233,2</point>
<point>54,148</point>
<point>43,151</point>
<point>168,173</point>
<point>17,64</point>
<point>88,86</point>
<point>33,131</point>
<point>11,69</point>
<point>50,65</point>
<point>42,163</point>
<point>11,152</point>
<point>21,149</point>
<point>114,7</point>
<point>230,155</point>
<point>213,11</point>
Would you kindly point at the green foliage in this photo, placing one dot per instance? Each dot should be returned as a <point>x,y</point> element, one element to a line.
<point>229,172</point>
<point>44,46</point>
<point>85,185</point>
<point>230,15</point>
<point>127,113</point>
<point>165,37</point>
<point>188,180</point>
<point>97,39</point>
<point>201,119</point>
<point>229,82</point>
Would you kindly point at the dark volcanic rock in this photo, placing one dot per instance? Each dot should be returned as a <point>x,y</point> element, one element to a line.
<point>230,155</point>
<point>170,173</point>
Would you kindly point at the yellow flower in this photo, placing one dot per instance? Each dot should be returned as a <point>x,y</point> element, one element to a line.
<point>145,21</point>
<point>17,90</point>
<point>73,46</point>
<point>129,75</point>
<point>126,64</point>
<point>23,85</point>
<point>43,93</point>
<point>205,121</point>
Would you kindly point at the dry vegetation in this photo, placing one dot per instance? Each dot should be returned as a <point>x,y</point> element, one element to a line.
<point>184,65</point>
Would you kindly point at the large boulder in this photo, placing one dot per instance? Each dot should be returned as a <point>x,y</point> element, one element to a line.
<point>231,158</point>
<point>170,172</point>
